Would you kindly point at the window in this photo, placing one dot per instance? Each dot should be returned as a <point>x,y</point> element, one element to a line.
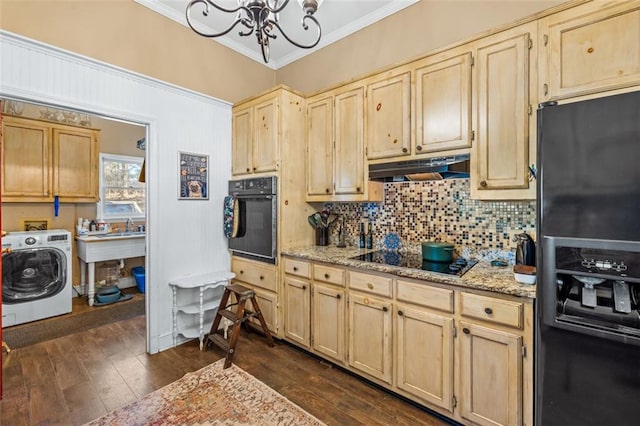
<point>122,196</point>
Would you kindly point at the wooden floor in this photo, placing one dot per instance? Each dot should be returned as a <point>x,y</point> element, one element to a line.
<point>77,378</point>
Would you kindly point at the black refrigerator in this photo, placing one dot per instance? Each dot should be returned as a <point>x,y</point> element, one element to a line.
<point>587,347</point>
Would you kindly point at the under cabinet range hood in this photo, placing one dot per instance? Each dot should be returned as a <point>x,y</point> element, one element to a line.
<point>452,166</point>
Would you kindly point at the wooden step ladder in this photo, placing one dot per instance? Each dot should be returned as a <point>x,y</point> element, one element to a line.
<point>217,337</point>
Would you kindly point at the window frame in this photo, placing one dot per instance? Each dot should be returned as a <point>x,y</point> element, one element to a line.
<point>101,204</point>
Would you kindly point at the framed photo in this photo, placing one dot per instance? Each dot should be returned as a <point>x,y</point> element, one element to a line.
<point>194,176</point>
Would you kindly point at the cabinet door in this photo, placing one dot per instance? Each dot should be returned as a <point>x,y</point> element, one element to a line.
<point>592,48</point>
<point>425,356</point>
<point>349,138</point>
<point>242,141</point>
<point>443,104</point>
<point>320,146</point>
<point>75,164</point>
<point>501,152</point>
<point>297,314</point>
<point>268,303</point>
<point>389,117</point>
<point>265,138</point>
<point>26,160</point>
<point>490,376</point>
<point>329,321</point>
<point>370,348</point>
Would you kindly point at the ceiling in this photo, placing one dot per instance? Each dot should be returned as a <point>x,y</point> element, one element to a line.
<point>338,19</point>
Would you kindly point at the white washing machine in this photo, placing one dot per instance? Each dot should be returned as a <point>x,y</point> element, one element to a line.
<point>36,276</point>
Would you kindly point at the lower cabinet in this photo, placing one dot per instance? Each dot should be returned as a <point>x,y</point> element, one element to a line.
<point>490,375</point>
<point>457,351</point>
<point>425,355</point>
<point>262,278</point>
<point>329,326</point>
<point>370,338</point>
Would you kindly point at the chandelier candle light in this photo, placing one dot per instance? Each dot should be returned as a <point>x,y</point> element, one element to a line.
<point>259,17</point>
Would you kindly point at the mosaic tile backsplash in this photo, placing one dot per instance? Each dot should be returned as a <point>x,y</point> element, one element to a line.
<point>441,211</point>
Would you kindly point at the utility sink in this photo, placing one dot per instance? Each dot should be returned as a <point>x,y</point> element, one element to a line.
<point>121,234</point>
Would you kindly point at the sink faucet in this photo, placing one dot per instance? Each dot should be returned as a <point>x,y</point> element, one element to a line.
<point>128,227</point>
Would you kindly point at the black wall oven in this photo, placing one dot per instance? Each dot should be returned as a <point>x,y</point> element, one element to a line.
<point>257,218</point>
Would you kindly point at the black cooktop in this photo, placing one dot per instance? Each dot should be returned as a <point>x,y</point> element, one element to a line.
<point>456,267</point>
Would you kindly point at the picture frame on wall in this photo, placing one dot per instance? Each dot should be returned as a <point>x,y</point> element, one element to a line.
<point>194,176</point>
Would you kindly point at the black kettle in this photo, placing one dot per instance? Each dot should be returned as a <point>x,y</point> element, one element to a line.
<point>525,250</point>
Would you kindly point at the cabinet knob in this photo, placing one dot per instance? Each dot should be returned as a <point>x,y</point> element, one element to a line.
<point>338,296</point>
<point>248,169</point>
<point>370,286</point>
<point>254,169</point>
<point>483,183</point>
<point>358,189</point>
<point>545,89</point>
<point>405,150</point>
<point>400,313</point>
<point>327,190</point>
<point>304,287</point>
<point>466,330</point>
<point>261,277</point>
<point>385,309</point>
<point>378,107</point>
<point>295,269</point>
<point>419,147</point>
<point>241,272</point>
<point>488,311</point>
<point>326,276</point>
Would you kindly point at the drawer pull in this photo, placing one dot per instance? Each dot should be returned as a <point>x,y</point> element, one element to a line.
<point>326,276</point>
<point>483,184</point>
<point>261,277</point>
<point>385,309</point>
<point>488,311</point>
<point>400,313</point>
<point>370,286</point>
<point>466,330</point>
<point>304,287</point>
<point>405,150</point>
<point>295,269</point>
<point>241,272</point>
<point>337,296</point>
<point>380,105</point>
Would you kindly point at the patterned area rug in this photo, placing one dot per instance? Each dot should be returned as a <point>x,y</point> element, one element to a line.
<point>212,396</point>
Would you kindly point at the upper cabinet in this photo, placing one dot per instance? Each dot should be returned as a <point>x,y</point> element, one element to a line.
<point>443,102</point>
<point>41,160</point>
<point>388,115</point>
<point>255,136</point>
<point>505,139</point>
<point>590,48</point>
<point>335,148</point>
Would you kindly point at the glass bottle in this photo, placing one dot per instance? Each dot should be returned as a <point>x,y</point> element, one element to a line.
<point>361,240</point>
<point>369,237</point>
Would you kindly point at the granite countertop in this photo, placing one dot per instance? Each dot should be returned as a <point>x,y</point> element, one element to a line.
<point>482,276</point>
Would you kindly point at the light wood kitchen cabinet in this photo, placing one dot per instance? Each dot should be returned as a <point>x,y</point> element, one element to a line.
<point>370,337</point>
<point>256,136</point>
<point>425,357</point>
<point>502,114</point>
<point>443,102</point>
<point>388,115</point>
<point>490,375</point>
<point>41,160</point>
<point>328,321</point>
<point>590,48</point>
<point>335,148</point>
<point>297,310</point>
<point>262,278</point>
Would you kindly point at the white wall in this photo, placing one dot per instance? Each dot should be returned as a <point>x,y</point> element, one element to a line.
<point>183,236</point>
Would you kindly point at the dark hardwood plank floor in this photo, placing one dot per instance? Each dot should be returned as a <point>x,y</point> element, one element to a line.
<point>80,377</point>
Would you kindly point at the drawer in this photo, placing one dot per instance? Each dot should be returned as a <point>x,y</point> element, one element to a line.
<point>328,274</point>
<point>493,310</point>
<point>255,273</point>
<point>425,295</point>
<point>299,268</point>
<point>370,283</point>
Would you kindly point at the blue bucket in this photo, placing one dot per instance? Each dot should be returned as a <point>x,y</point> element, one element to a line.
<point>138,274</point>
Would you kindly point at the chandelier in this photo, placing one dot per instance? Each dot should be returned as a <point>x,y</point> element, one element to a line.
<point>259,17</point>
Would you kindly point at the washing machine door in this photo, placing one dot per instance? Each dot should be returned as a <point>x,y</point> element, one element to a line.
<point>32,274</point>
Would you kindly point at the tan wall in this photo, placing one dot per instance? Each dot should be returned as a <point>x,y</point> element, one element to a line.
<point>126,34</point>
<point>421,28</point>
